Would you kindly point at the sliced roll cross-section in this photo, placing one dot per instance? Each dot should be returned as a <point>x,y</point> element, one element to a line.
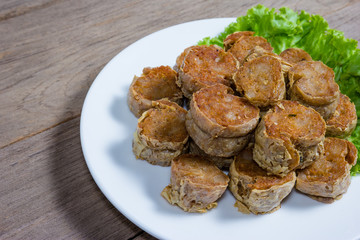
<point>231,39</point>
<point>261,81</point>
<point>254,189</point>
<point>195,183</point>
<point>154,84</point>
<point>328,178</point>
<point>203,66</point>
<point>161,133</point>
<point>312,84</point>
<point>288,137</point>
<point>295,55</point>
<point>343,121</point>
<point>220,122</point>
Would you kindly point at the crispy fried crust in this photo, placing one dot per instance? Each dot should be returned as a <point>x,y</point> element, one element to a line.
<point>203,66</point>
<point>161,133</point>
<point>288,137</point>
<point>154,84</point>
<point>343,121</point>
<point>220,162</point>
<point>215,146</point>
<point>243,46</point>
<point>254,190</point>
<point>312,84</point>
<point>261,81</point>
<point>195,184</point>
<point>230,40</point>
<point>329,177</point>
<point>221,114</point>
<point>295,55</point>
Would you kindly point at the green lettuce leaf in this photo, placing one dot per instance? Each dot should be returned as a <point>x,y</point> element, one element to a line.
<point>286,28</point>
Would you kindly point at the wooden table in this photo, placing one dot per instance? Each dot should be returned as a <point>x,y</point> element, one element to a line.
<point>50,53</point>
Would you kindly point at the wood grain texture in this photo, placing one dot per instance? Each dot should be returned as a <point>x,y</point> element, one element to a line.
<point>50,53</point>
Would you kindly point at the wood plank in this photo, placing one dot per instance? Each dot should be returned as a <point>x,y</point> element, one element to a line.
<point>47,192</point>
<point>54,53</point>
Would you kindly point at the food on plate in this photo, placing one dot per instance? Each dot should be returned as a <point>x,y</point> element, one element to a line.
<point>232,38</point>
<point>295,55</point>
<point>261,81</point>
<point>243,46</point>
<point>153,84</point>
<point>328,178</point>
<point>288,137</point>
<point>220,122</point>
<point>161,133</point>
<point>343,121</point>
<point>203,66</point>
<point>312,84</point>
<point>254,189</point>
<point>220,162</point>
<point>195,183</point>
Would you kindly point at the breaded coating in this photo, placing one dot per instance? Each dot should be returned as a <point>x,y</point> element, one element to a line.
<point>161,133</point>
<point>343,121</point>
<point>288,137</point>
<point>261,81</point>
<point>203,66</point>
<point>329,177</point>
<point>154,84</point>
<point>312,84</point>
<point>195,184</point>
<point>256,191</point>
<point>295,55</point>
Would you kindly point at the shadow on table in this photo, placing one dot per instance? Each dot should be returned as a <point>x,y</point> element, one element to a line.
<point>84,206</point>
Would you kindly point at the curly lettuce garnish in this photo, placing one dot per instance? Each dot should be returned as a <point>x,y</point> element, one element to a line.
<point>286,28</point>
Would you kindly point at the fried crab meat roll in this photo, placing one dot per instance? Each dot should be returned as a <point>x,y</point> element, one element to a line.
<point>295,55</point>
<point>289,136</point>
<point>312,84</point>
<point>195,183</point>
<point>245,44</point>
<point>220,122</point>
<point>343,121</point>
<point>161,133</point>
<point>327,179</point>
<point>261,81</point>
<point>232,38</point>
<point>203,66</point>
<point>154,84</point>
<point>256,191</point>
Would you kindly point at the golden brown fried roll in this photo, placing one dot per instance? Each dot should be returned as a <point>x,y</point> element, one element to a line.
<point>161,133</point>
<point>329,177</point>
<point>195,183</point>
<point>288,137</point>
<point>295,55</point>
<point>232,38</point>
<point>256,191</point>
<point>154,84</point>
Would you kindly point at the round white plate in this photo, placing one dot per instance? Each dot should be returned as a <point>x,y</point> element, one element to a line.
<point>134,186</point>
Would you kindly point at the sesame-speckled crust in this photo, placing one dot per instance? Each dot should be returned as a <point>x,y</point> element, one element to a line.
<point>215,146</point>
<point>329,177</point>
<point>195,183</point>
<point>261,81</point>
<point>221,114</point>
<point>288,137</point>
<point>312,84</point>
<point>344,119</point>
<point>255,191</point>
<point>161,133</point>
<point>154,84</point>
<point>203,66</point>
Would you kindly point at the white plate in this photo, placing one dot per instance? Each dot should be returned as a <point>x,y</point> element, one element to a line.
<point>134,186</point>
